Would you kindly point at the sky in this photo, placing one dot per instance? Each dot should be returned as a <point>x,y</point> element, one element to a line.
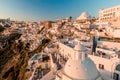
<point>37,10</point>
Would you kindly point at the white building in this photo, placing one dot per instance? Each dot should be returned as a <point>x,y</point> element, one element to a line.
<point>107,63</point>
<point>107,59</point>
<point>113,32</point>
<point>78,66</point>
<point>110,15</point>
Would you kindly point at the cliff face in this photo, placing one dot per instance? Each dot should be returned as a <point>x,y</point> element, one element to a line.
<point>14,57</point>
<point>12,67</point>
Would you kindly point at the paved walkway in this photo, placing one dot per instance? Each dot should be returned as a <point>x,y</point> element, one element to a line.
<point>49,76</point>
<point>32,74</point>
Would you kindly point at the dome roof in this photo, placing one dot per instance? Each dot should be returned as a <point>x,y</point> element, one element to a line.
<point>84,15</point>
<point>81,70</point>
<point>79,46</point>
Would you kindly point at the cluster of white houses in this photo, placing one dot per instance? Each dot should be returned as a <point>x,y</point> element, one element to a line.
<point>81,63</point>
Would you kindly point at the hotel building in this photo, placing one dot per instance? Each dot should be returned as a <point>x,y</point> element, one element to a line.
<point>111,15</point>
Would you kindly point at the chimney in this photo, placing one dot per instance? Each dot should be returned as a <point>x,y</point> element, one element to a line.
<point>94,44</point>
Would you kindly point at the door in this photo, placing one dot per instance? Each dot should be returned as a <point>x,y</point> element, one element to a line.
<point>116,76</point>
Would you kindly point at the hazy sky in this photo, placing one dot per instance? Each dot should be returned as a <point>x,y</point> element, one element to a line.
<point>36,10</point>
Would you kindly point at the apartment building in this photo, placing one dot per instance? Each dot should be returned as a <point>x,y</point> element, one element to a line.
<point>111,15</point>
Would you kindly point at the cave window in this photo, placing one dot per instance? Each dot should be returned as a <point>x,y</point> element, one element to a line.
<point>118,67</point>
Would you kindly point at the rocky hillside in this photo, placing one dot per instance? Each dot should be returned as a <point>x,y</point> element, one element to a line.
<point>14,56</point>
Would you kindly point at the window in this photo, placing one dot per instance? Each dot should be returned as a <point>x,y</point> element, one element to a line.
<point>101,66</point>
<point>118,67</point>
<point>113,14</point>
<point>117,8</point>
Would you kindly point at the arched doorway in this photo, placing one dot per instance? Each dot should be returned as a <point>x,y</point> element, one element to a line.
<point>116,75</point>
